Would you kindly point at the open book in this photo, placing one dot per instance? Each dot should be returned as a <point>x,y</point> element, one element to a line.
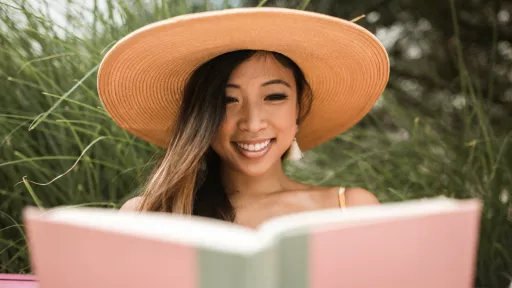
<point>415,243</point>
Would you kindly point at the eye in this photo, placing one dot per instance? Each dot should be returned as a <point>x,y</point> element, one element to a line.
<point>276,97</point>
<point>228,100</point>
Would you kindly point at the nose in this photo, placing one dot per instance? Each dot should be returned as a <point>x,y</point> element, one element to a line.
<point>252,118</point>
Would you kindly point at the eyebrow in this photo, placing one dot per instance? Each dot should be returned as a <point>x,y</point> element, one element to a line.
<point>275,81</point>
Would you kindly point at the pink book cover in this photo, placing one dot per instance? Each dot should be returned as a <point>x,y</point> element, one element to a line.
<point>437,251</point>
<point>18,281</point>
<point>151,260</point>
<point>404,245</point>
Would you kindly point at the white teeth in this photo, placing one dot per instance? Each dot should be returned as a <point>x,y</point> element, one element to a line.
<point>254,147</point>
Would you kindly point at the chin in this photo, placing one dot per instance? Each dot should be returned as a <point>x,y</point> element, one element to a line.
<point>254,170</point>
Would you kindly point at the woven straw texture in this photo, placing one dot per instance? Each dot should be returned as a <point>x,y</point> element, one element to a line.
<point>141,78</point>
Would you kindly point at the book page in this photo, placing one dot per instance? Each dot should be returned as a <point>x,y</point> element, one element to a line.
<point>194,231</point>
<point>295,223</point>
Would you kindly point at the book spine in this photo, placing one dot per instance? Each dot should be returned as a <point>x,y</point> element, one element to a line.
<point>220,269</point>
<point>262,270</point>
<point>292,261</point>
<point>232,270</point>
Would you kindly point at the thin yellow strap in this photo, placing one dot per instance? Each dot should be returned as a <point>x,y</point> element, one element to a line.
<point>341,197</point>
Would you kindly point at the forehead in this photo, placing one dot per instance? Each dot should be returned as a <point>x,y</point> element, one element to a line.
<point>261,66</point>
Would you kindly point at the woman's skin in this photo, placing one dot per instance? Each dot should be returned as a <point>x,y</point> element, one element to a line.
<point>262,111</point>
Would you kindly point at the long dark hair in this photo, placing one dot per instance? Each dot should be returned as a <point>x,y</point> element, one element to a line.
<point>187,179</point>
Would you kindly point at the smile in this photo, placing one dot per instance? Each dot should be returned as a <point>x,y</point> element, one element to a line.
<point>253,147</point>
<point>254,150</point>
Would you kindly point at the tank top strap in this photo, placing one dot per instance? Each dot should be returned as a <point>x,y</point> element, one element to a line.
<point>341,197</point>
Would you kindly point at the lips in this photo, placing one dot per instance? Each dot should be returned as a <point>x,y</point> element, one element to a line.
<point>254,149</point>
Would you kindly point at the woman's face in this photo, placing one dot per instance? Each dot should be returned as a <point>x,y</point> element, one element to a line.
<point>261,114</point>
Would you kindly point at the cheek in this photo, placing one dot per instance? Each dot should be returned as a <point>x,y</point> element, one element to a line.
<point>285,119</point>
<point>224,132</point>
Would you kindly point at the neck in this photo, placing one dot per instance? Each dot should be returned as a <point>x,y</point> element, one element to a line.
<point>236,182</point>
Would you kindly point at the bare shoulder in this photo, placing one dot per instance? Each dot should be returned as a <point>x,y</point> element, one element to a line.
<point>356,196</point>
<point>132,204</point>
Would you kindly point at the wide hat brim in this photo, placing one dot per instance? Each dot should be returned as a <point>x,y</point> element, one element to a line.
<point>141,78</point>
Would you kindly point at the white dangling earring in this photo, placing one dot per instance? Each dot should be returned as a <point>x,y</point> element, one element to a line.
<point>294,152</point>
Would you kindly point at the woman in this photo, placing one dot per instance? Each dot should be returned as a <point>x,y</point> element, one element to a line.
<point>227,110</point>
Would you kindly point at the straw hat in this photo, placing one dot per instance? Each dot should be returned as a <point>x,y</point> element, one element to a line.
<point>140,79</point>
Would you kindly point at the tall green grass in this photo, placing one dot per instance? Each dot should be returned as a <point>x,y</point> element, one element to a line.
<point>59,147</point>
